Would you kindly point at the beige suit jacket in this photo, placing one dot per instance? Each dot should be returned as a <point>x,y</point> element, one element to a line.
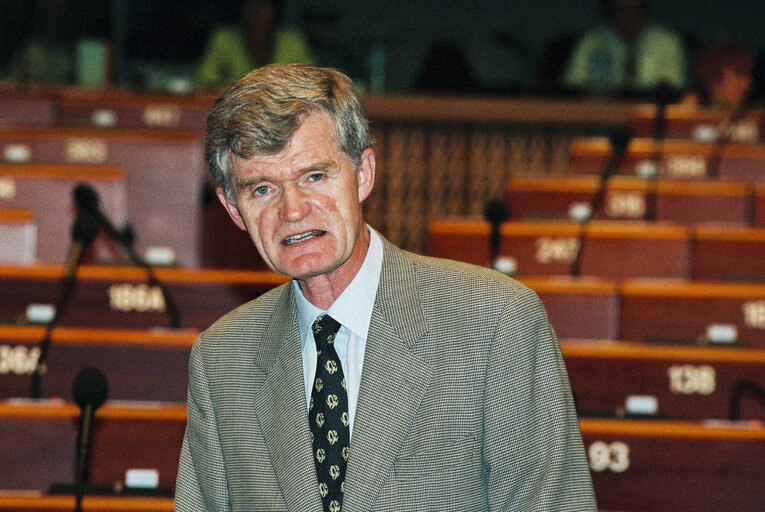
<point>464,403</point>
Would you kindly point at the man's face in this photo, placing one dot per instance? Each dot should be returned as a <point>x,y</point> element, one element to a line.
<point>302,206</point>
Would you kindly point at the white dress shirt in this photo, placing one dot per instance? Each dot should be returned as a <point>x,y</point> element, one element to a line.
<point>353,310</point>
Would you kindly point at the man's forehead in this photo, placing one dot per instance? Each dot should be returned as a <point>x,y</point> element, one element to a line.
<point>313,143</point>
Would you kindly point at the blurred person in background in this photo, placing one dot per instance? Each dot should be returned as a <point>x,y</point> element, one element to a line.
<point>259,39</point>
<point>629,54</point>
<point>46,56</point>
<point>723,76</point>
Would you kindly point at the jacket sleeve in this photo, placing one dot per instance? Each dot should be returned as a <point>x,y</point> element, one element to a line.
<point>201,483</point>
<point>533,452</point>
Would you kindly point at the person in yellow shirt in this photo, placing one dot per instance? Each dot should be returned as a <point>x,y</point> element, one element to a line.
<point>629,54</point>
<point>259,39</point>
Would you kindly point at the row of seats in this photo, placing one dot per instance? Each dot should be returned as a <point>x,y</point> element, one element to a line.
<point>46,193</point>
<point>672,158</point>
<point>142,154</point>
<point>42,106</point>
<point>678,461</point>
<point>674,257</point>
<point>632,198</point>
<point>164,177</point>
<point>683,382</point>
<point>583,308</point>
<point>651,250</point>
<point>77,134</point>
<point>74,106</point>
<point>121,296</point>
<point>690,122</point>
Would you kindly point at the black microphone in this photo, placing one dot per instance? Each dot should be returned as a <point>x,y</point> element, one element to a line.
<point>496,213</point>
<point>89,392</point>
<point>734,400</point>
<point>86,199</point>
<point>84,231</point>
<point>619,143</point>
<point>664,93</point>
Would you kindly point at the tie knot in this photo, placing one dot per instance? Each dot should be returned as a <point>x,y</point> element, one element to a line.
<point>324,330</point>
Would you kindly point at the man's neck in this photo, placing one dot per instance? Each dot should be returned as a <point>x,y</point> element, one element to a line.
<point>324,289</point>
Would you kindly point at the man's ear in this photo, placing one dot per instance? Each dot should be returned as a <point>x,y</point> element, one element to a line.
<point>365,175</point>
<point>231,208</point>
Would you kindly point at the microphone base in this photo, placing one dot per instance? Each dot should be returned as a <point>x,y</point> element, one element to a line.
<point>116,489</point>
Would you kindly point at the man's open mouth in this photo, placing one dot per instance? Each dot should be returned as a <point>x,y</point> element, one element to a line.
<point>302,237</point>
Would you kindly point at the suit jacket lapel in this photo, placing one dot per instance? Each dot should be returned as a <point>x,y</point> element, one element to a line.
<point>280,408</point>
<point>393,382</point>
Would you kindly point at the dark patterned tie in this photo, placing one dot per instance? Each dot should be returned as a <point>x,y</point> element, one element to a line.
<point>328,416</point>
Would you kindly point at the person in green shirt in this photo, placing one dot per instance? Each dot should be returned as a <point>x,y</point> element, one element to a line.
<point>259,39</point>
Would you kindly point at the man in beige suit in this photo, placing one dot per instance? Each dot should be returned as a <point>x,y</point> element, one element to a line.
<point>443,383</point>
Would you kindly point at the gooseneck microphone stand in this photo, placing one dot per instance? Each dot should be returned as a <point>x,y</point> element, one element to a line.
<point>84,231</point>
<point>619,142</point>
<point>89,391</point>
<point>87,199</point>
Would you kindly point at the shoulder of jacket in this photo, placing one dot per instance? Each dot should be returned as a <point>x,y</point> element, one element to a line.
<point>253,313</point>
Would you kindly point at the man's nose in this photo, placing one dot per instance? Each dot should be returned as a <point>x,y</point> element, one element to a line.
<point>294,205</point>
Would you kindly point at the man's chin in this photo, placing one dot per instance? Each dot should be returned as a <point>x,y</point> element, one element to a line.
<point>305,270</point>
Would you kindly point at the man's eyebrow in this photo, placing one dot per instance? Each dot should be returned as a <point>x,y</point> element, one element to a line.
<point>249,181</point>
<point>319,166</point>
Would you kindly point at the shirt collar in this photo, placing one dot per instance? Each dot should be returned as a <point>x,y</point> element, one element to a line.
<point>353,308</point>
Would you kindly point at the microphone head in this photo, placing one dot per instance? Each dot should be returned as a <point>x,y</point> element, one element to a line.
<point>85,197</point>
<point>619,140</point>
<point>664,92</point>
<point>90,387</point>
<point>495,211</point>
<point>85,229</point>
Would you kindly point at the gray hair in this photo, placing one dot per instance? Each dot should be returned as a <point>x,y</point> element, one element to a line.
<point>259,114</point>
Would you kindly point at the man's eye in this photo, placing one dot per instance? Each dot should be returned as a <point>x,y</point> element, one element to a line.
<point>317,176</point>
<point>261,190</point>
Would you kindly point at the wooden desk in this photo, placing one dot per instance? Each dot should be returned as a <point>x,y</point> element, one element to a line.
<point>27,108</point>
<point>47,189</point>
<point>39,502</point>
<point>121,297</point>
<point>683,310</point>
<point>676,159</point>
<point>440,143</point>
<point>132,109</point>
<point>40,440</point>
<point>699,123</point>
<point>687,382</point>
<point>18,232</point>
<point>759,205</point>
<point>628,198</point>
<point>139,364</point>
<point>557,197</point>
<point>728,253</point>
<point>636,465</point>
<point>584,308</point>
<point>611,249</point>
<point>693,202</point>
<point>164,171</point>
<point>643,465</point>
